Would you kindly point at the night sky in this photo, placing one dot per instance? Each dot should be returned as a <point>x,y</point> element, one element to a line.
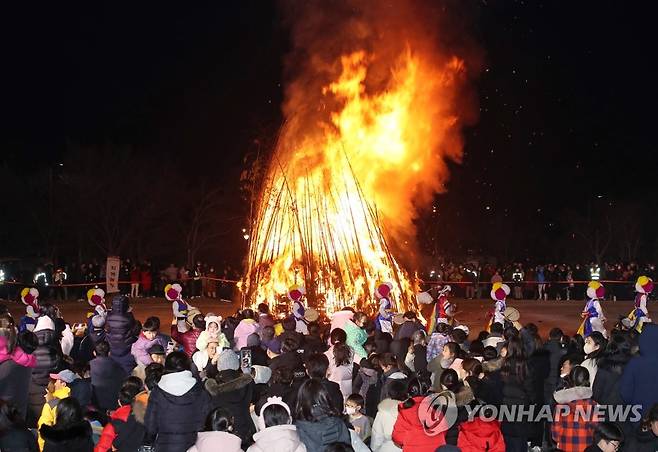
<point>566,104</point>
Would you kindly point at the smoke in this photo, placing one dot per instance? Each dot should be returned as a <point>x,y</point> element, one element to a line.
<point>422,42</point>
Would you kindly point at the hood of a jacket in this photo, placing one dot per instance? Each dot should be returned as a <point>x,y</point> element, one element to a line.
<point>371,373</point>
<point>492,365</point>
<point>75,431</point>
<point>209,441</point>
<point>649,341</point>
<point>62,393</point>
<point>572,394</point>
<point>120,304</point>
<point>44,323</point>
<point>227,381</point>
<point>317,435</point>
<point>279,433</point>
<point>388,406</point>
<point>464,396</point>
<point>177,383</point>
<point>479,428</point>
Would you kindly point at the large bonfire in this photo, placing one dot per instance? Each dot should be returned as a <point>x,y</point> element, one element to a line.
<point>370,121</point>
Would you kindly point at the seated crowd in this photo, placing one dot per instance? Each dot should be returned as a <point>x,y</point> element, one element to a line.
<point>256,383</point>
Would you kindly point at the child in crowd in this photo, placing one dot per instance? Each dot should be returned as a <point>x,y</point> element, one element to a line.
<point>354,409</point>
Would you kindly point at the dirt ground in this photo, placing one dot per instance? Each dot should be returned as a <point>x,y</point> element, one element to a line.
<point>545,314</point>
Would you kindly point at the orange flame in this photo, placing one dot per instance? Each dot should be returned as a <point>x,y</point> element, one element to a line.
<point>338,190</point>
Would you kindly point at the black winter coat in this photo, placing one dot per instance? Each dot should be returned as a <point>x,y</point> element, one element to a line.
<point>232,390</point>
<point>640,441</point>
<point>517,391</point>
<point>107,376</point>
<point>172,421</point>
<point>556,352</point>
<point>15,385</point>
<point>77,437</point>
<point>49,360</point>
<point>18,440</point>
<point>121,332</point>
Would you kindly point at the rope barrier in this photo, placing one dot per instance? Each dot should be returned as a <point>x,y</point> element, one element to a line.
<point>518,283</point>
<point>104,283</point>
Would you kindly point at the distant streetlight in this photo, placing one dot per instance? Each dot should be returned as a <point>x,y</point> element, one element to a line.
<point>246,236</point>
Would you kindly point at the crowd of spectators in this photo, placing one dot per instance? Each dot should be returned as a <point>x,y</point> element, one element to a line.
<point>255,382</point>
<point>545,281</point>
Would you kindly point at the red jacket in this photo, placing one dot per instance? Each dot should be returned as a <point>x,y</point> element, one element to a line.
<point>410,434</point>
<point>478,435</point>
<point>109,434</point>
<point>186,339</point>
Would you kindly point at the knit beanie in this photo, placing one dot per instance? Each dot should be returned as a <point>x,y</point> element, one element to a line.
<point>262,374</point>
<point>228,359</point>
<point>98,321</point>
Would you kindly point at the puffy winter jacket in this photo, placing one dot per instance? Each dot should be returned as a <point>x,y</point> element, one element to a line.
<point>478,435</point>
<point>638,381</point>
<point>49,358</point>
<point>280,438</point>
<point>123,431</point>
<point>232,390</point>
<point>121,332</point>
<point>316,436</point>
<point>186,339</point>
<point>410,433</point>
<point>177,409</point>
<point>208,442</point>
<point>140,348</point>
<point>382,428</point>
<point>15,373</point>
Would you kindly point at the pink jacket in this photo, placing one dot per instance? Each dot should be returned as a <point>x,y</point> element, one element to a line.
<point>242,332</point>
<point>18,355</point>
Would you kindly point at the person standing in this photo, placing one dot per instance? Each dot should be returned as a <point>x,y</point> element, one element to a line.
<point>135,277</point>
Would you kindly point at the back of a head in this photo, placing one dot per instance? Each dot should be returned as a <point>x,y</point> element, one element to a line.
<point>317,365</point>
<point>442,328</point>
<point>476,348</point>
<point>263,308</point>
<point>555,334</point>
<point>274,415</point>
<point>130,388</point>
<point>49,310</point>
<point>69,413</point>
<point>579,376</point>
<point>219,420</point>
<point>151,324</point>
<point>313,402</point>
<point>199,322</point>
<point>338,335</point>
<point>153,373</point>
<point>268,333</point>
<point>397,390</point>
<point>387,359</point>
<point>459,336</point>
<point>102,349</point>
<point>450,380</point>
<point>248,313</point>
<point>289,324</point>
<point>489,353</point>
<point>510,332</point>
<point>608,431</point>
<point>497,328</point>
<point>290,344</point>
<point>283,376</point>
<point>313,329</point>
<point>176,362</point>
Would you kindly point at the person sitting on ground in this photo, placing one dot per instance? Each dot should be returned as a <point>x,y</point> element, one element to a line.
<point>354,409</point>
<point>318,422</point>
<point>14,436</point>
<point>218,430</point>
<point>125,429</point>
<point>177,407</point>
<point>570,433</point>
<point>212,333</point>
<point>106,378</point>
<point>341,357</point>
<point>247,326</point>
<point>189,338</point>
<point>313,342</point>
<point>70,431</point>
<point>61,391</point>
<point>276,432</point>
<point>317,367</point>
<point>205,360</point>
<point>149,336</point>
<point>232,389</point>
